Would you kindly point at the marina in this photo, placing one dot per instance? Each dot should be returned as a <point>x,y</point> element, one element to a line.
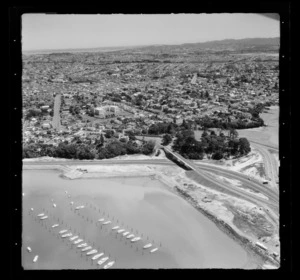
<point>136,225</point>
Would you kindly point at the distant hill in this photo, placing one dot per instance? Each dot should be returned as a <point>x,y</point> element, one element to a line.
<point>248,44</point>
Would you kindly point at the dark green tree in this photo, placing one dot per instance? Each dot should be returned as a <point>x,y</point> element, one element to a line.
<point>166,140</point>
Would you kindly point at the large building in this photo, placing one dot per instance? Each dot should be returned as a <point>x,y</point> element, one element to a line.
<point>106,111</point>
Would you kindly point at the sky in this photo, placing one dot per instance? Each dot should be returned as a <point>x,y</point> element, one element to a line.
<point>50,31</point>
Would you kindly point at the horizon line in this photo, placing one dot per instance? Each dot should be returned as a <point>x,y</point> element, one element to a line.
<point>145,45</point>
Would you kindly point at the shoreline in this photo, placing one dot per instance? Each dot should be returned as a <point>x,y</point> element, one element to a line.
<point>249,247</point>
<point>67,173</point>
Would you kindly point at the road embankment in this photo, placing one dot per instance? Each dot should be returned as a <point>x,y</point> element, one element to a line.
<point>262,257</point>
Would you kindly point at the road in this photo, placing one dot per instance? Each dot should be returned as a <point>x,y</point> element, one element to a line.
<point>253,185</point>
<point>270,163</point>
<point>202,170</point>
<point>271,205</point>
<point>56,114</point>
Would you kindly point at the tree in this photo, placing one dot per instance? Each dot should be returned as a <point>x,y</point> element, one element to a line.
<point>204,134</point>
<point>217,155</point>
<point>233,134</point>
<point>109,133</point>
<point>167,139</point>
<point>84,152</point>
<point>244,146</point>
<point>148,148</point>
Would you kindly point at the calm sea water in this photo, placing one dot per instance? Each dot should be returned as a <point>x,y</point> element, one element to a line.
<point>145,207</point>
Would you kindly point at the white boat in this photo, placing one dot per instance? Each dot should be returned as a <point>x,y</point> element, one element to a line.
<point>126,233</point>
<point>147,246</point>
<point>63,231</point>
<point>74,237</point>
<point>153,250</point>
<point>66,191</point>
<point>31,209</point>
<point>66,235</point>
<point>55,225</point>
<point>101,220</point>
<point>79,207</point>
<point>135,239</point>
<point>86,248</point>
<point>130,236</point>
<point>35,258</point>
<point>23,194</point>
<point>40,215</point>
<point>43,218</point>
<point>107,222</point>
<point>78,241</point>
<point>121,230</point>
<point>108,265</point>
<point>92,252</point>
<point>54,205</point>
<point>103,260</point>
<point>71,202</point>
<point>97,256</point>
<point>116,227</point>
<point>29,249</point>
<point>82,245</point>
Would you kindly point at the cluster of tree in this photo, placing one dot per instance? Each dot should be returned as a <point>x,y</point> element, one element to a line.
<point>74,110</point>
<point>33,113</point>
<point>207,122</point>
<point>215,146</point>
<point>78,150</point>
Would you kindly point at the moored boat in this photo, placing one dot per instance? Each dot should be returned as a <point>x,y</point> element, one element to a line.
<point>74,237</point>
<point>41,214</point>
<point>66,235</point>
<point>103,260</point>
<point>63,231</point>
<point>29,249</point>
<point>101,220</point>
<point>86,248</point>
<point>107,222</point>
<point>116,227</point>
<point>135,239</point>
<point>81,245</point>
<point>125,233</point>
<point>153,250</point>
<point>108,265</point>
<point>78,241</point>
<point>55,225</point>
<point>43,218</point>
<point>97,256</point>
<point>35,258</point>
<point>121,230</point>
<point>147,246</point>
<point>130,236</point>
<point>92,252</point>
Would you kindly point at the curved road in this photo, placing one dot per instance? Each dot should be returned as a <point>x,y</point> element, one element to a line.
<point>271,166</point>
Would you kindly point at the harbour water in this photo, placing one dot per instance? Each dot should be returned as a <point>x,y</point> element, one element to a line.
<point>144,207</point>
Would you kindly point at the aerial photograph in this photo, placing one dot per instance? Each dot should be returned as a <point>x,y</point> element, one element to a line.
<point>150,141</point>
